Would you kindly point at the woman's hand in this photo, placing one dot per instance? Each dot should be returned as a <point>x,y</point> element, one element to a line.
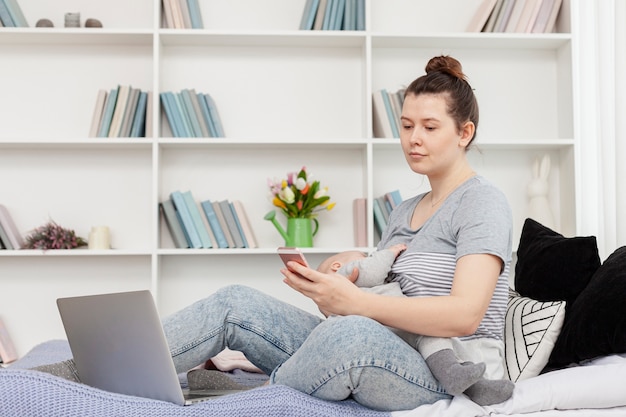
<point>333,293</point>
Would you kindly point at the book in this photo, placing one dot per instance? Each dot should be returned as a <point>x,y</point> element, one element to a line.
<point>246,226</point>
<point>206,115</point>
<point>207,226</point>
<point>1,25</point>
<point>550,25</point>
<point>223,225</point>
<point>384,207</point>
<point>360,15</point>
<point>193,238</point>
<point>516,13</point>
<point>215,116</point>
<point>184,10</point>
<point>98,111</point>
<point>379,218</point>
<point>138,128</point>
<point>182,115</point>
<point>390,114</point>
<point>534,16</point>
<point>491,22</point>
<point>231,223</point>
<point>166,8</point>
<point>173,114</point>
<point>120,108</point>
<point>14,237</point>
<point>214,223</point>
<point>16,13</point>
<point>480,18</point>
<point>195,103</point>
<point>528,16</point>
<point>8,353</point>
<point>196,217</point>
<point>238,224</point>
<point>308,15</point>
<point>545,13</point>
<point>168,211</point>
<point>169,112</point>
<point>339,14</point>
<point>504,15</point>
<point>6,243</point>
<point>177,14</point>
<point>129,113</point>
<point>5,15</point>
<point>327,14</point>
<point>194,121</point>
<point>359,216</point>
<point>382,124</point>
<point>350,17</point>
<point>109,108</point>
<point>393,198</point>
<point>195,14</point>
<point>149,116</point>
<point>319,16</point>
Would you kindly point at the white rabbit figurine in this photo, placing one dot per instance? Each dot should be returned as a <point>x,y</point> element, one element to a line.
<point>538,204</point>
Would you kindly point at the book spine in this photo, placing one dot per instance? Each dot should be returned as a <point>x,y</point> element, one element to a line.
<point>215,116</point>
<point>231,224</point>
<point>195,14</point>
<point>192,206</point>
<point>10,229</point>
<point>182,115</point>
<point>211,217</point>
<point>129,113</point>
<point>379,219</point>
<point>169,113</point>
<point>16,13</point>
<point>222,220</point>
<point>248,231</point>
<point>109,109</point>
<point>5,16</point>
<point>238,224</point>
<point>206,114</point>
<point>390,114</point>
<point>120,108</point>
<point>195,103</point>
<point>194,121</point>
<point>138,128</point>
<point>6,242</point>
<point>171,221</point>
<point>308,15</point>
<point>98,111</point>
<point>185,217</point>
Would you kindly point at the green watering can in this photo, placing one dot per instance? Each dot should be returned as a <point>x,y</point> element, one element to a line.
<point>300,231</point>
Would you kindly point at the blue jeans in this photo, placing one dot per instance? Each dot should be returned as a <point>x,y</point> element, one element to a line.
<point>333,359</point>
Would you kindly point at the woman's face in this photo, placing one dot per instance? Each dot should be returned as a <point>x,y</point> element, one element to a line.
<point>431,142</point>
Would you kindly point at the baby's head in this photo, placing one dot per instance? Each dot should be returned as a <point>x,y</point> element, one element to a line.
<point>333,263</point>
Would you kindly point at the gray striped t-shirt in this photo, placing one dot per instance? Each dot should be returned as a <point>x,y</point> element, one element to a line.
<point>474,219</point>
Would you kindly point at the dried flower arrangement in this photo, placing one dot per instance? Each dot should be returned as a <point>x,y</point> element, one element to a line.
<point>53,236</point>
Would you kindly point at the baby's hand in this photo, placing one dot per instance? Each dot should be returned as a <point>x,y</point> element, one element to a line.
<point>397,248</point>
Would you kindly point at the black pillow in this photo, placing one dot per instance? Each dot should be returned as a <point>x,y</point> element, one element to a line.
<point>595,324</point>
<point>551,267</point>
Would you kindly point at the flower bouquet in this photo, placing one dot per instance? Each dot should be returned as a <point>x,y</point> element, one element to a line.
<point>299,197</point>
<point>53,236</point>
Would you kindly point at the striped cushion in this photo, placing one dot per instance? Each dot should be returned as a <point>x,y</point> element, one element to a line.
<point>531,329</point>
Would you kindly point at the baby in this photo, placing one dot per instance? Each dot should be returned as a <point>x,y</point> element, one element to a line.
<point>455,376</point>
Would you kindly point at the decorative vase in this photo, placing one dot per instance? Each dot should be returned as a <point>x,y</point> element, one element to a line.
<point>300,232</point>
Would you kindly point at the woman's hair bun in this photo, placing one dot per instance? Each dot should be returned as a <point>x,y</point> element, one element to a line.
<point>446,64</point>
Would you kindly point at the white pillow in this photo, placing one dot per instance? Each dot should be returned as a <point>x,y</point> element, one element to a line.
<point>530,331</point>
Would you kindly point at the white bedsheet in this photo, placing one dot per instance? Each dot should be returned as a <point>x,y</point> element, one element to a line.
<point>597,388</point>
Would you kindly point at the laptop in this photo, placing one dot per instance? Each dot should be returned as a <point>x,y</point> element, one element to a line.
<point>118,344</point>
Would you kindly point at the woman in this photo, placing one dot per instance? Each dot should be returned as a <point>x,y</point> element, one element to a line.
<point>455,270</point>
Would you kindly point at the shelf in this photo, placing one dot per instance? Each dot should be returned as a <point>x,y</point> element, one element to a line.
<point>77,36</point>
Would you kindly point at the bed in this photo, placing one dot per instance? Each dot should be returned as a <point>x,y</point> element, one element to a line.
<point>565,349</point>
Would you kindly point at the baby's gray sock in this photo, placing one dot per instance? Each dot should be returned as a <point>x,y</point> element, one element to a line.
<point>455,377</point>
<point>66,369</point>
<point>489,392</point>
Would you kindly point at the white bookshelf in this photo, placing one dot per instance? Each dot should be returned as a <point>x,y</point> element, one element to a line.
<point>287,98</point>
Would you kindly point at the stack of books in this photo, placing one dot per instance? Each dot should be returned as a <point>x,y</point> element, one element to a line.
<point>182,14</point>
<point>521,16</point>
<point>11,15</point>
<point>387,109</point>
<point>206,224</point>
<point>10,237</point>
<point>191,115</point>
<point>383,206</point>
<point>123,111</point>
<point>333,15</point>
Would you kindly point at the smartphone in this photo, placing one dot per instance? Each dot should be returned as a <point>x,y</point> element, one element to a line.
<point>292,254</point>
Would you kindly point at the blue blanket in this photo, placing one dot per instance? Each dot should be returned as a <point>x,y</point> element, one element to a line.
<point>28,393</point>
